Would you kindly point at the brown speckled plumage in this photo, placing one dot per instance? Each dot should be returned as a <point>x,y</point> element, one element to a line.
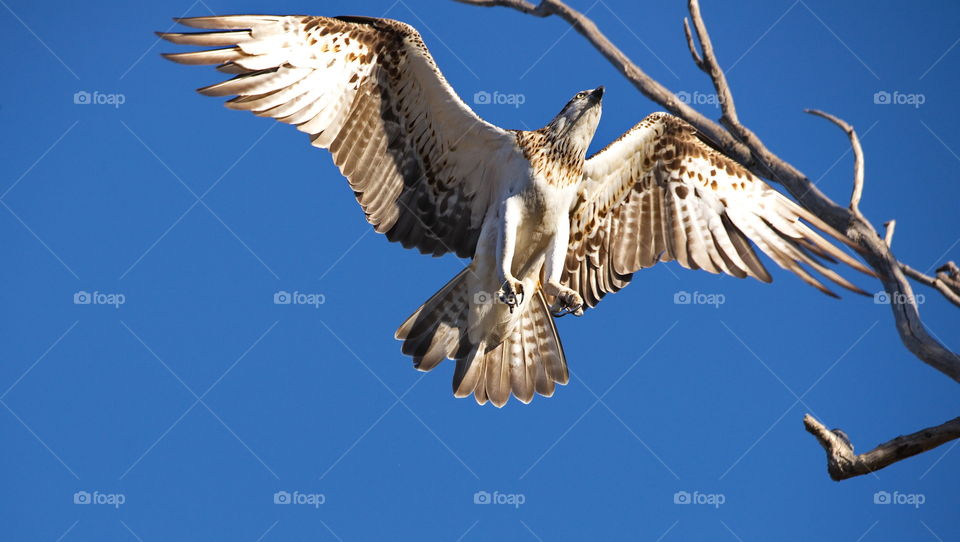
<point>396,154</point>
<point>659,193</point>
<point>551,158</point>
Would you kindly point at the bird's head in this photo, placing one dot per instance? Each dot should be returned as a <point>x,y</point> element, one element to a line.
<point>576,123</point>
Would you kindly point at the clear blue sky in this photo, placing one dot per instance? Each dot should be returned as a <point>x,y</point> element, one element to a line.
<point>198,398</point>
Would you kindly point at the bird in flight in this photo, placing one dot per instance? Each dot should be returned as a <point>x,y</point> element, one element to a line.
<point>549,231</point>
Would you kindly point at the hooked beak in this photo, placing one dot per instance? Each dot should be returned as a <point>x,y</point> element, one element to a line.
<point>597,93</point>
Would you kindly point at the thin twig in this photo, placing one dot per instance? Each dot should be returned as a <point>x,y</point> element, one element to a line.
<point>519,5</point>
<point>711,67</point>
<point>697,59</point>
<point>857,159</point>
<point>891,226</point>
<point>949,287</point>
<point>843,463</point>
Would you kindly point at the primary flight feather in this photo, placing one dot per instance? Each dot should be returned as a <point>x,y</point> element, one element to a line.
<point>549,231</point>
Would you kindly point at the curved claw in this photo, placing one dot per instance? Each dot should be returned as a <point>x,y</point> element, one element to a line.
<point>567,302</point>
<point>563,311</point>
<point>511,294</point>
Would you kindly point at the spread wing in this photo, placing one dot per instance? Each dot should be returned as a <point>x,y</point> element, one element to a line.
<point>368,90</point>
<point>659,193</point>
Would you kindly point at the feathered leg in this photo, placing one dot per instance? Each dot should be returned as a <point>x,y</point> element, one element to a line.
<point>511,289</point>
<point>566,301</point>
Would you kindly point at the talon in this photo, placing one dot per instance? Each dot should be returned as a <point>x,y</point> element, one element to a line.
<point>511,294</point>
<point>567,302</point>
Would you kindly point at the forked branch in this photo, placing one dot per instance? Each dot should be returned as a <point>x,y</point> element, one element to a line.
<point>709,65</point>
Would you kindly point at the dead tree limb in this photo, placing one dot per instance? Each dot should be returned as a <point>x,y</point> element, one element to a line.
<point>843,463</point>
<point>857,160</point>
<point>741,144</point>
<point>891,226</point>
<point>946,283</point>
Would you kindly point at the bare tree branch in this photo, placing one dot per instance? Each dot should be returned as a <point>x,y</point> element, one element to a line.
<point>711,67</point>
<point>743,145</point>
<point>891,226</point>
<point>843,463</point>
<point>945,283</point>
<point>519,5</point>
<point>690,45</point>
<point>857,161</point>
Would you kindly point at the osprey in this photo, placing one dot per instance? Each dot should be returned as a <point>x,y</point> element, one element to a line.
<point>549,232</point>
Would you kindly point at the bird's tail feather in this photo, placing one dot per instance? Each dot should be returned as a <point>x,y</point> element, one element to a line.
<point>530,359</point>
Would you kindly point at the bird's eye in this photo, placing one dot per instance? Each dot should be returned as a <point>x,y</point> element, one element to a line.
<point>581,95</point>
